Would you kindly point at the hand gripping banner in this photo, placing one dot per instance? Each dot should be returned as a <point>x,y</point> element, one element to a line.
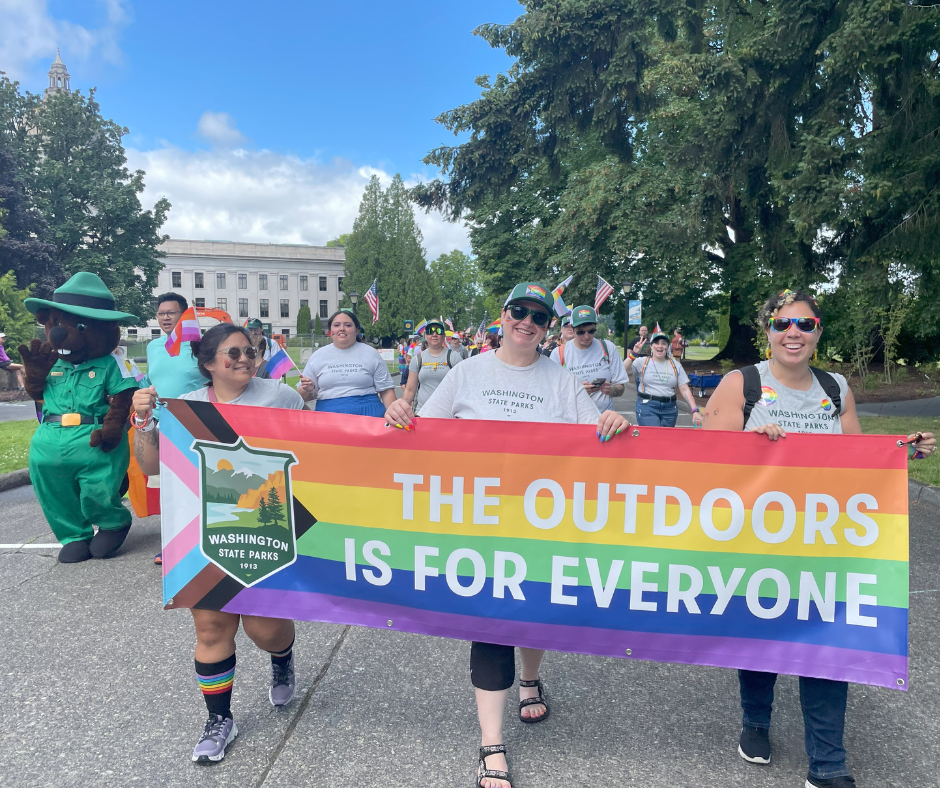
<point>706,548</point>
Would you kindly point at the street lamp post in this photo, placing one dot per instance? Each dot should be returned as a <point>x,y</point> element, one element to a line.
<point>626,287</point>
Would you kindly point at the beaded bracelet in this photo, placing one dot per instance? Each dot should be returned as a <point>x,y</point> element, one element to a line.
<point>143,425</point>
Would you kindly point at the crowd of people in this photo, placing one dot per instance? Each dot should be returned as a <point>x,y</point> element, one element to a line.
<point>573,377</point>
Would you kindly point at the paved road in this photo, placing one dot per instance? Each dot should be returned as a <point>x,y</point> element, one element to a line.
<point>17,411</point>
<point>97,689</point>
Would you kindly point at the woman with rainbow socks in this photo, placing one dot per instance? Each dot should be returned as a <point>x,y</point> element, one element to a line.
<point>225,356</point>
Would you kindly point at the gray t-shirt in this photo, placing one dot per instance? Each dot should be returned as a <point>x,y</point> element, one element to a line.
<point>483,387</point>
<point>260,393</point>
<point>659,378</point>
<point>794,410</point>
<point>431,370</point>
<point>588,365</point>
<point>461,350</point>
<point>351,372</point>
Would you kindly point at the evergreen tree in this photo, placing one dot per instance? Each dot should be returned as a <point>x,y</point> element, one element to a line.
<point>303,320</point>
<point>264,512</point>
<point>75,170</point>
<point>275,507</point>
<point>461,287</point>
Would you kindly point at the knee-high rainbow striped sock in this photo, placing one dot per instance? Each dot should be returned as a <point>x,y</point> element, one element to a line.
<point>215,681</point>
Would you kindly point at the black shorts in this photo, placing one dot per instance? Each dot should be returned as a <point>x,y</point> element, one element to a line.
<point>492,666</point>
<point>5,364</point>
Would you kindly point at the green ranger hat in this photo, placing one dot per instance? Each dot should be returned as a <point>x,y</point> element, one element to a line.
<point>583,314</point>
<point>84,295</point>
<point>534,292</point>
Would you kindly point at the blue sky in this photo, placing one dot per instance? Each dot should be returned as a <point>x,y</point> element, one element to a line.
<point>262,121</point>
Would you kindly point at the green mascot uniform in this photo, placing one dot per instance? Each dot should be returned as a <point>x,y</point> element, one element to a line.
<point>79,454</point>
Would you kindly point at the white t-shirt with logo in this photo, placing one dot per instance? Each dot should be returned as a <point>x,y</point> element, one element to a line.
<point>588,365</point>
<point>484,387</point>
<point>795,410</point>
<point>350,372</point>
<point>659,378</point>
<point>431,370</point>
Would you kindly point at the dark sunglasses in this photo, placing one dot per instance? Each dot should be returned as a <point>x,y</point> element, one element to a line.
<point>805,324</point>
<point>235,353</point>
<point>587,331</point>
<point>539,318</point>
<point>434,330</point>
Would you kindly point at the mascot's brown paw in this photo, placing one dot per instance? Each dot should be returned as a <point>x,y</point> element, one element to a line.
<point>106,439</point>
<point>40,354</point>
<point>104,544</point>
<point>74,552</point>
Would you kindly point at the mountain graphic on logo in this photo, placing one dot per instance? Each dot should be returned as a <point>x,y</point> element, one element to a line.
<point>226,486</point>
<point>251,498</point>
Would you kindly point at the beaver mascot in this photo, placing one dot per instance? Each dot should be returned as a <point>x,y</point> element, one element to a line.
<point>80,452</point>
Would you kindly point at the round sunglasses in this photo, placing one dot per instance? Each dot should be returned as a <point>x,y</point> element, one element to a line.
<point>806,324</point>
<point>539,318</point>
<point>235,353</point>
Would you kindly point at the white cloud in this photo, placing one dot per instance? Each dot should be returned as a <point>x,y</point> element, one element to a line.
<point>268,197</point>
<point>28,33</point>
<point>218,128</point>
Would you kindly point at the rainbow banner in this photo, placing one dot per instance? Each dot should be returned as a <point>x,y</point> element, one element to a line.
<point>715,548</point>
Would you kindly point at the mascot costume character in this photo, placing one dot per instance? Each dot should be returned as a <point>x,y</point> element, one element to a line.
<point>80,452</point>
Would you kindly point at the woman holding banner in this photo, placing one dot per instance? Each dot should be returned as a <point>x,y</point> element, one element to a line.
<point>347,376</point>
<point>556,397</point>
<point>792,323</point>
<point>225,356</point>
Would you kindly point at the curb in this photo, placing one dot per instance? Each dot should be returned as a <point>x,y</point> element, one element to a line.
<point>918,492</point>
<point>13,479</point>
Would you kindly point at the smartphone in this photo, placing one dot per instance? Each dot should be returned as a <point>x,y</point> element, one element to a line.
<point>598,381</point>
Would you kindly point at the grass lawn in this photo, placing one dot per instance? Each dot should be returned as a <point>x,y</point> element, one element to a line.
<point>926,471</point>
<point>696,352</point>
<point>14,440</point>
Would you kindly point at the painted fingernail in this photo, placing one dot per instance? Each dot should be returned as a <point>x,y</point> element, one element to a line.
<point>619,431</point>
<point>399,426</point>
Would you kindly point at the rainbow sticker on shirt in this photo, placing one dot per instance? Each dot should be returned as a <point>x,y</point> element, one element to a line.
<point>768,396</point>
<point>826,404</point>
<point>535,290</point>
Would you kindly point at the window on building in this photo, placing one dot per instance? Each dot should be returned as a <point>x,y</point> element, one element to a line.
<point>303,282</point>
<point>153,304</point>
<point>199,280</point>
<point>262,281</point>
<point>263,307</point>
<point>324,309</point>
<point>176,279</point>
<point>155,332</point>
<point>283,278</point>
<point>132,332</point>
<point>243,281</point>
<point>285,308</point>
<point>220,281</point>
<point>200,302</point>
<point>304,302</point>
<point>322,284</point>
<point>339,284</point>
<point>222,303</point>
<point>243,307</point>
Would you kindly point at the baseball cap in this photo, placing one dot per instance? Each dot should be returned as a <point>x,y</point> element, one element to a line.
<point>566,321</point>
<point>659,335</point>
<point>583,314</point>
<point>254,323</point>
<point>532,292</point>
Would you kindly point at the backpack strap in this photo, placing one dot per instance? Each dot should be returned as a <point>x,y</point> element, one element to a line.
<point>606,352</point>
<point>646,360</point>
<point>752,390</point>
<point>561,353</point>
<point>830,386</point>
<point>449,365</point>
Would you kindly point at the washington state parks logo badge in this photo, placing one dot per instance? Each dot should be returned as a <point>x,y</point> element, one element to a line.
<point>247,513</point>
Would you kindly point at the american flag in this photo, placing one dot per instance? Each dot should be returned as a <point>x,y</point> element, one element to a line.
<point>480,336</point>
<point>604,289</point>
<point>372,299</point>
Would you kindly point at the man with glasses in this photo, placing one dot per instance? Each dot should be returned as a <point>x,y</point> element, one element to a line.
<point>171,376</point>
<point>595,362</point>
<point>266,345</point>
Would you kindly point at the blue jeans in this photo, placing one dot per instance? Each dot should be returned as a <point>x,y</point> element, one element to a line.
<point>823,702</point>
<point>656,414</point>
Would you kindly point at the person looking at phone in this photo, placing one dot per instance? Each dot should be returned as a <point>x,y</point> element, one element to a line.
<point>658,378</point>
<point>595,362</point>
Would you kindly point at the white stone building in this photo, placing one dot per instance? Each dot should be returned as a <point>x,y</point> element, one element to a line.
<point>267,281</point>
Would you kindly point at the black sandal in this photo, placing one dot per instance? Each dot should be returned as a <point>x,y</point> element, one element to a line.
<point>491,774</point>
<point>532,701</point>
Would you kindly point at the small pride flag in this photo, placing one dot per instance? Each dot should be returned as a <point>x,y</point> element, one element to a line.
<point>279,363</point>
<point>419,329</point>
<point>187,330</point>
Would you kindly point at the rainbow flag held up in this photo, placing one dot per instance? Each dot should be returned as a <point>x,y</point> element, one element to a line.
<point>419,329</point>
<point>279,363</point>
<point>495,325</point>
<point>723,549</point>
<point>187,330</point>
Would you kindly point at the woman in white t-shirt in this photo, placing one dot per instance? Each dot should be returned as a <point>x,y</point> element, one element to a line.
<point>429,366</point>
<point>347,376</point>
<point>227,358</point>
<point>658,378</point>
<point>513,382</point>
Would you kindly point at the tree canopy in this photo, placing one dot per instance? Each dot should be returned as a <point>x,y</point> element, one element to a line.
<point>710,153</point>
<point>72,163</point>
